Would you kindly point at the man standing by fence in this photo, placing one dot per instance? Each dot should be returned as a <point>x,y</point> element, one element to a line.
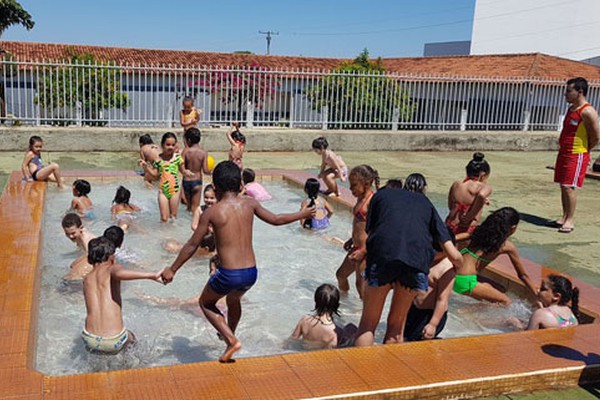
<point>580,133</point>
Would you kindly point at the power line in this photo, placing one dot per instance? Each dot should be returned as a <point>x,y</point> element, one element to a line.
<point>268,37</point>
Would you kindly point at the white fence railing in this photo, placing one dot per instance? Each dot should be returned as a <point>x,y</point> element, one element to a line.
<point>60,93</point>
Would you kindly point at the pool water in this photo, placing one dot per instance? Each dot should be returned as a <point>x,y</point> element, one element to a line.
<point>167,321</point>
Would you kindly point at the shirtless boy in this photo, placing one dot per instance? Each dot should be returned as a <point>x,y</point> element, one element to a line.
<point>149,152</point>
<point>77,233</point>
<point>232,218</point>
<point>104,331</point>
<point>196,161</point>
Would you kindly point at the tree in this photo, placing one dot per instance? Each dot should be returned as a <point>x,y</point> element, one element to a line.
<point>359,94</point>
<point>11,13</point>
<point>81,81</point>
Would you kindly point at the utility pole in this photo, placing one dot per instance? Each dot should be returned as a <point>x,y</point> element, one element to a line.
<point>269,37</point>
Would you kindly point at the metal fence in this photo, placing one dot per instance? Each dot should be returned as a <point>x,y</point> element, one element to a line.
<point>105,94</point>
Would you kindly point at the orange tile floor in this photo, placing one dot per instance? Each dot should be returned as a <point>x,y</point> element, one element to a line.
<point>450,368</point>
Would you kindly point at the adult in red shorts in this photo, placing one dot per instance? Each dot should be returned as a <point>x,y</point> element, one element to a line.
<point>580,133</point>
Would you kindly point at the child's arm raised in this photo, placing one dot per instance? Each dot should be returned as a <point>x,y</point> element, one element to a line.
<point>281,219</point>
<point>188,249</point>
<point>229,132</point>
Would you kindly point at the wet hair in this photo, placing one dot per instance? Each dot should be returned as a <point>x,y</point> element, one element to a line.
<point>146,139</point>
<point>568,293</point>
<point>238,136</point>
<point>115,234</point>
<point>71,219</point>
<point>477,165</point>
<point>187,98</point>
<point>366,174</point>
<point>208,187</point>
<point>248,175</point>
<point>227,177</point>
<point>579,83</point>
<point>168,135</point>
<point>192,136</point>
<point>493,232</point>
<point>415,183</point>
<point>320,143</point>
<point>311,188</point>
<point>82,187</point>
<point>394,184</point>
<point>99,250</point>
<point>122,196</point>
<point>33,140</point>
<point>327,300</point>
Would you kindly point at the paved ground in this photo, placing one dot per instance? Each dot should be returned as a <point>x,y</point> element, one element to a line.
<point>519,179</point>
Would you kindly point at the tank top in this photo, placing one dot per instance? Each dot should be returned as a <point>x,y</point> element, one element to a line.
<point>574,136</point>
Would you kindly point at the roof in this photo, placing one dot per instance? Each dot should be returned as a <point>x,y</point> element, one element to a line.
<point>531,65</point>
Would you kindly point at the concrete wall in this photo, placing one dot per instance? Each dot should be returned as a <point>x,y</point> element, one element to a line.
<point>274,139</point>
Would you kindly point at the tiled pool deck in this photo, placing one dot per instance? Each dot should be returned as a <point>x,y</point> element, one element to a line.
<point>450,368</point>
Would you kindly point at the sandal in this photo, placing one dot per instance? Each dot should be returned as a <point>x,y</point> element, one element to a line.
<point>563,229</point>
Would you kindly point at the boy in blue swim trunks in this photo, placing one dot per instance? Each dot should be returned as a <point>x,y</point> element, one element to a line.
<point>231,218</point>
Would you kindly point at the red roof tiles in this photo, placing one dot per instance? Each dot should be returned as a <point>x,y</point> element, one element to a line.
<point>533,65</point>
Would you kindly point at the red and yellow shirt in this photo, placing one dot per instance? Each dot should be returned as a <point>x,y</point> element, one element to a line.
<point>574,136</point>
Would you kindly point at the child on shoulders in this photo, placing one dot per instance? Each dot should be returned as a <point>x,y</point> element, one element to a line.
<point>232,218</point>
<point>253,188</point>
<point>82,204</point>
<point>121,210</point>
<point>34,170</point>
<point>332,166</point>
<point>318,330</point>
<point>323,211</point>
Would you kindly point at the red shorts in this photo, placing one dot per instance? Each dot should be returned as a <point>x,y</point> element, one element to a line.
<point>570,169</point>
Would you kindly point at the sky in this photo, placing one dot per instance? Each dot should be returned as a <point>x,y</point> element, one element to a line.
<point>317,28</point>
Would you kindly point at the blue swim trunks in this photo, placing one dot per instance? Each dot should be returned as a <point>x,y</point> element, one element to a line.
<point>225,281</point>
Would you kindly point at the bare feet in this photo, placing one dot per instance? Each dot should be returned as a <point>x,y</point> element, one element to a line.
<point>229,351</point>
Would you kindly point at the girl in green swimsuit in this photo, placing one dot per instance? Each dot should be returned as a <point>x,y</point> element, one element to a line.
<point>490,240</point>
<point>167,167</point>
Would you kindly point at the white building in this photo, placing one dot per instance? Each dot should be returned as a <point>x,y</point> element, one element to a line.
<point>563,28</point>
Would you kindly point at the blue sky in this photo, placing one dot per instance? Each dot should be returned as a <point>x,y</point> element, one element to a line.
<point>325,28</point>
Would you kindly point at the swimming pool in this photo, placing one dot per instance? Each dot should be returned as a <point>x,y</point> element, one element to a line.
<point>292,263</point>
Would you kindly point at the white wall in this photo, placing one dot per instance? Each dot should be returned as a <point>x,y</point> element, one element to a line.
<point>564,28</point>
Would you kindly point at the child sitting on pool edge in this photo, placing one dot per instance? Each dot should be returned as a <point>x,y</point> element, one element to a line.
<point>319,330</point>
<point>332,166</point>
<point>34,170</point>
<point>232,218</point>
<point>104,331</point>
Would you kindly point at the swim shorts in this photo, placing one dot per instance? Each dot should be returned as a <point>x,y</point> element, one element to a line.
<point>596,167</point>
<point>396,271</point>
<point>189,186</point>
<point>570,169</point>
<point>101,344</point>
<point>225,281</point>
<point>465,283</point>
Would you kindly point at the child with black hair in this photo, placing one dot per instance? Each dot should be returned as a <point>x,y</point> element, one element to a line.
<point>253,188</point>
<point>77,233</point>
<point>319,330</point>
<point>332,166</point>
<point>34,170</point>
<point>560,301</point>
<point>148,154</point>
<point>232,218</point>
<point>490,240</point>
<point>121,210</point>
<point>237,140</point>
<point>415,183</point>
<point>466,198</point>
<point>195,160</point>
<point>189,116</point>
<point>323,211</point>
<point>82,204</point>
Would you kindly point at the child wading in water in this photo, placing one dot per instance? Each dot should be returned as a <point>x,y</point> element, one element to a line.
<point>34,170</point>
<point>167,167</point>
<point>148,153</point>
<point>237,140</point>
<point>319,330</point>
<point>189,115</point>
<point>466,198</point>
<point>323,211</point>
<point>332,166</point>
<point>195,161</point>
<point>488,241</point>
<point>232,219</point>
<point>121,210</point>
<point>82,204</point>
<point>361,179</point>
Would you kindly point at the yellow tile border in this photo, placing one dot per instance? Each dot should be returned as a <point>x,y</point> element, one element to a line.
<point>254,377</point>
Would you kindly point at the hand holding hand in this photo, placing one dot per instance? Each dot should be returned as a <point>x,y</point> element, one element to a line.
<point>348,244</point>
<point>167,275</point>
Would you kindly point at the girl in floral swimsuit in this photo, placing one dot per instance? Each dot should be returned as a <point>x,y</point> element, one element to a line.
<point>556,293</point>
<point>490,240</point>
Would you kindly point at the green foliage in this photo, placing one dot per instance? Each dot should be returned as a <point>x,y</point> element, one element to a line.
<point>96,86</point>
<point>360,91</point>
<point>11,13</point>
